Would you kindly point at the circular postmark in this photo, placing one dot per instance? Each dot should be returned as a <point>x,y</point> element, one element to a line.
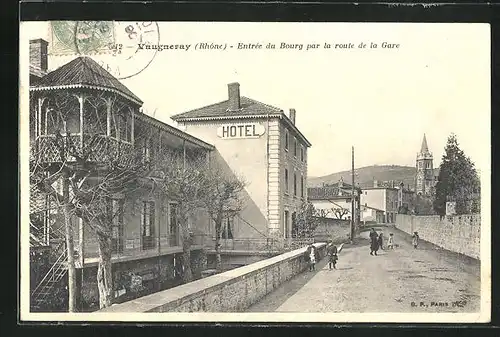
<point>115,46</point>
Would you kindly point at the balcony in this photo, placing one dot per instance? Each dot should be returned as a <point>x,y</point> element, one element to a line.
<point>95,148</point>
<point>129,249</point>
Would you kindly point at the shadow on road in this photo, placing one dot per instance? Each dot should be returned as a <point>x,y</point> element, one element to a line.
<point>275,299</point>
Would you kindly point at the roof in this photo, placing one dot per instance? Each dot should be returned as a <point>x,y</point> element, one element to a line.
<point>174,131</point>
<point>325,193</point>
<point>380,188</point>
<point>84,72</point>
<point>424,148</point>
<point>250,108</point>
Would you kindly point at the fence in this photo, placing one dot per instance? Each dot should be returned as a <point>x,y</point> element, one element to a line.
<point>259,244</point>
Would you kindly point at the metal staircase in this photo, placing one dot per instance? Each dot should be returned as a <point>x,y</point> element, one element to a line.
<point>54,240</point>
<point>45,288</point>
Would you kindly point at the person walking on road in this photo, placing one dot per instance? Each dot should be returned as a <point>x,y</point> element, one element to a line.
<point>311,256</point>
<point>373,242</point>
<point>390,242</point>
<point>415,239</point>
<point>332,256</point>
<point>381,241</point>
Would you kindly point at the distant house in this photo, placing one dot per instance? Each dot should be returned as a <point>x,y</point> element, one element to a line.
<point>371,214</point>
<point>334,200</point>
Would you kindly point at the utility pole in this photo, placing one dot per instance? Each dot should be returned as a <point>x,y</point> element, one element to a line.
<point>353,196</point>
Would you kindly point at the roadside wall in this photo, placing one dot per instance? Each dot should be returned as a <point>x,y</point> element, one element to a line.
<point>459,233</point>
<point>231,291</point>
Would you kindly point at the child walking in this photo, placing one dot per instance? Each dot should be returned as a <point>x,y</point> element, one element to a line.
<point>332,256</point>
<point>390,242</point>
<point>415,239</point>
<point>311,256</point>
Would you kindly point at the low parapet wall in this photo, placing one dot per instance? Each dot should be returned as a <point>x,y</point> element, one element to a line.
<point>231,291</point>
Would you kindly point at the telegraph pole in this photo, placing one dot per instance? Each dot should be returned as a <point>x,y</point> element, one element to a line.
<point>353,196</point>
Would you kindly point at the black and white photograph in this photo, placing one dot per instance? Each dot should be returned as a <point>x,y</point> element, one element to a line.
<point>265,172</point>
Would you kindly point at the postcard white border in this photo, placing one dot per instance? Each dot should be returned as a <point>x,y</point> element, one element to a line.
<point>483,316</point>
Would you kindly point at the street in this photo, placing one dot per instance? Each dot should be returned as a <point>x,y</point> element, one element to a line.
<point>427,279</point>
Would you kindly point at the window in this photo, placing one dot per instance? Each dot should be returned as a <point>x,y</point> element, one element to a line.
<point>295,184</point>
<point>301,153</point>
<point>173,224</point>
<point>295,147</point>
<point>146,151</point>
<point>302,186</point>
<point>227,229</point>
<point>295,229</point>
<point>125,120</point>
<point>286,140</point>
<point>286,181</point>
<point>148,220</point>
<point>285,224</point>
<point>115,212</point>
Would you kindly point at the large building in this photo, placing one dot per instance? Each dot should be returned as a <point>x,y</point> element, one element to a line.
<point>79,111</point>
<point>262,145</point>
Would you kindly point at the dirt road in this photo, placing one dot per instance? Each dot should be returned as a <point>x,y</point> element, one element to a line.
<point>427,279</point>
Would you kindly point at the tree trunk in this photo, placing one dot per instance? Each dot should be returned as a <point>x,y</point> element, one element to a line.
<point>187,274</point>
<point>70,251</point>
<point>104,275</point>
<point>218,258</point>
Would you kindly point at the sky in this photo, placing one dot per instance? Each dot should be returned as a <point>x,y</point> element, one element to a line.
<point>379,100</point>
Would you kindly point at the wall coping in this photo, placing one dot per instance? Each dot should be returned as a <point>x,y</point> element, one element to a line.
<point>193,289</point>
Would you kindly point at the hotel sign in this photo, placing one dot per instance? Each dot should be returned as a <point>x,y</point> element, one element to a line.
<point>238,131</point>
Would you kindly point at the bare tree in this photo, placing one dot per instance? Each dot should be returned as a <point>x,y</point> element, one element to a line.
<point>184,183</point>
<point>340,212</point>
<point>223,200</point>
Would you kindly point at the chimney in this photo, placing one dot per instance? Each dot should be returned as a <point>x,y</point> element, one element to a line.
<point>234,96</point>
<point>292,115</point>
<point>375,183</point>
<point>38,54</point>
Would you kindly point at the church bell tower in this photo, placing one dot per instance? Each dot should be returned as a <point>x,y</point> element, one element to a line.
<point>425,170</point>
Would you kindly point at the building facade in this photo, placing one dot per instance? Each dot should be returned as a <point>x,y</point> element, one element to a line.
<point>371,215</point>
<point>382,198</point>
<point>263,146</point>
<point>80,114</point>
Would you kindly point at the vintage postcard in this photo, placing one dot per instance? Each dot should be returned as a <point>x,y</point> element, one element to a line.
<point>255,172</point>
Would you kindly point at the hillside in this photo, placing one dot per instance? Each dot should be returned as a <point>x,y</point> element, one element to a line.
<point>366,175</point>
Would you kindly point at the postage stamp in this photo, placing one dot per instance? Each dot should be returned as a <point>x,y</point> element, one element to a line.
<point>114,44</point>
<point>261,172</point>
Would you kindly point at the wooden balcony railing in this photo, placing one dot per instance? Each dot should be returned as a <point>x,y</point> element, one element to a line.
<point>137,246</point>
<point>96,148</point>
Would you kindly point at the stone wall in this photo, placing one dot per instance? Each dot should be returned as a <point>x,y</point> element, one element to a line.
<point>332,229</point>
<point>231,291</point>
<point>459,233</point>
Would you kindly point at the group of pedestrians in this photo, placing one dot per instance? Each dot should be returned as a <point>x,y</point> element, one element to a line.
<point>331,251</point>
<point>377,241</point>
